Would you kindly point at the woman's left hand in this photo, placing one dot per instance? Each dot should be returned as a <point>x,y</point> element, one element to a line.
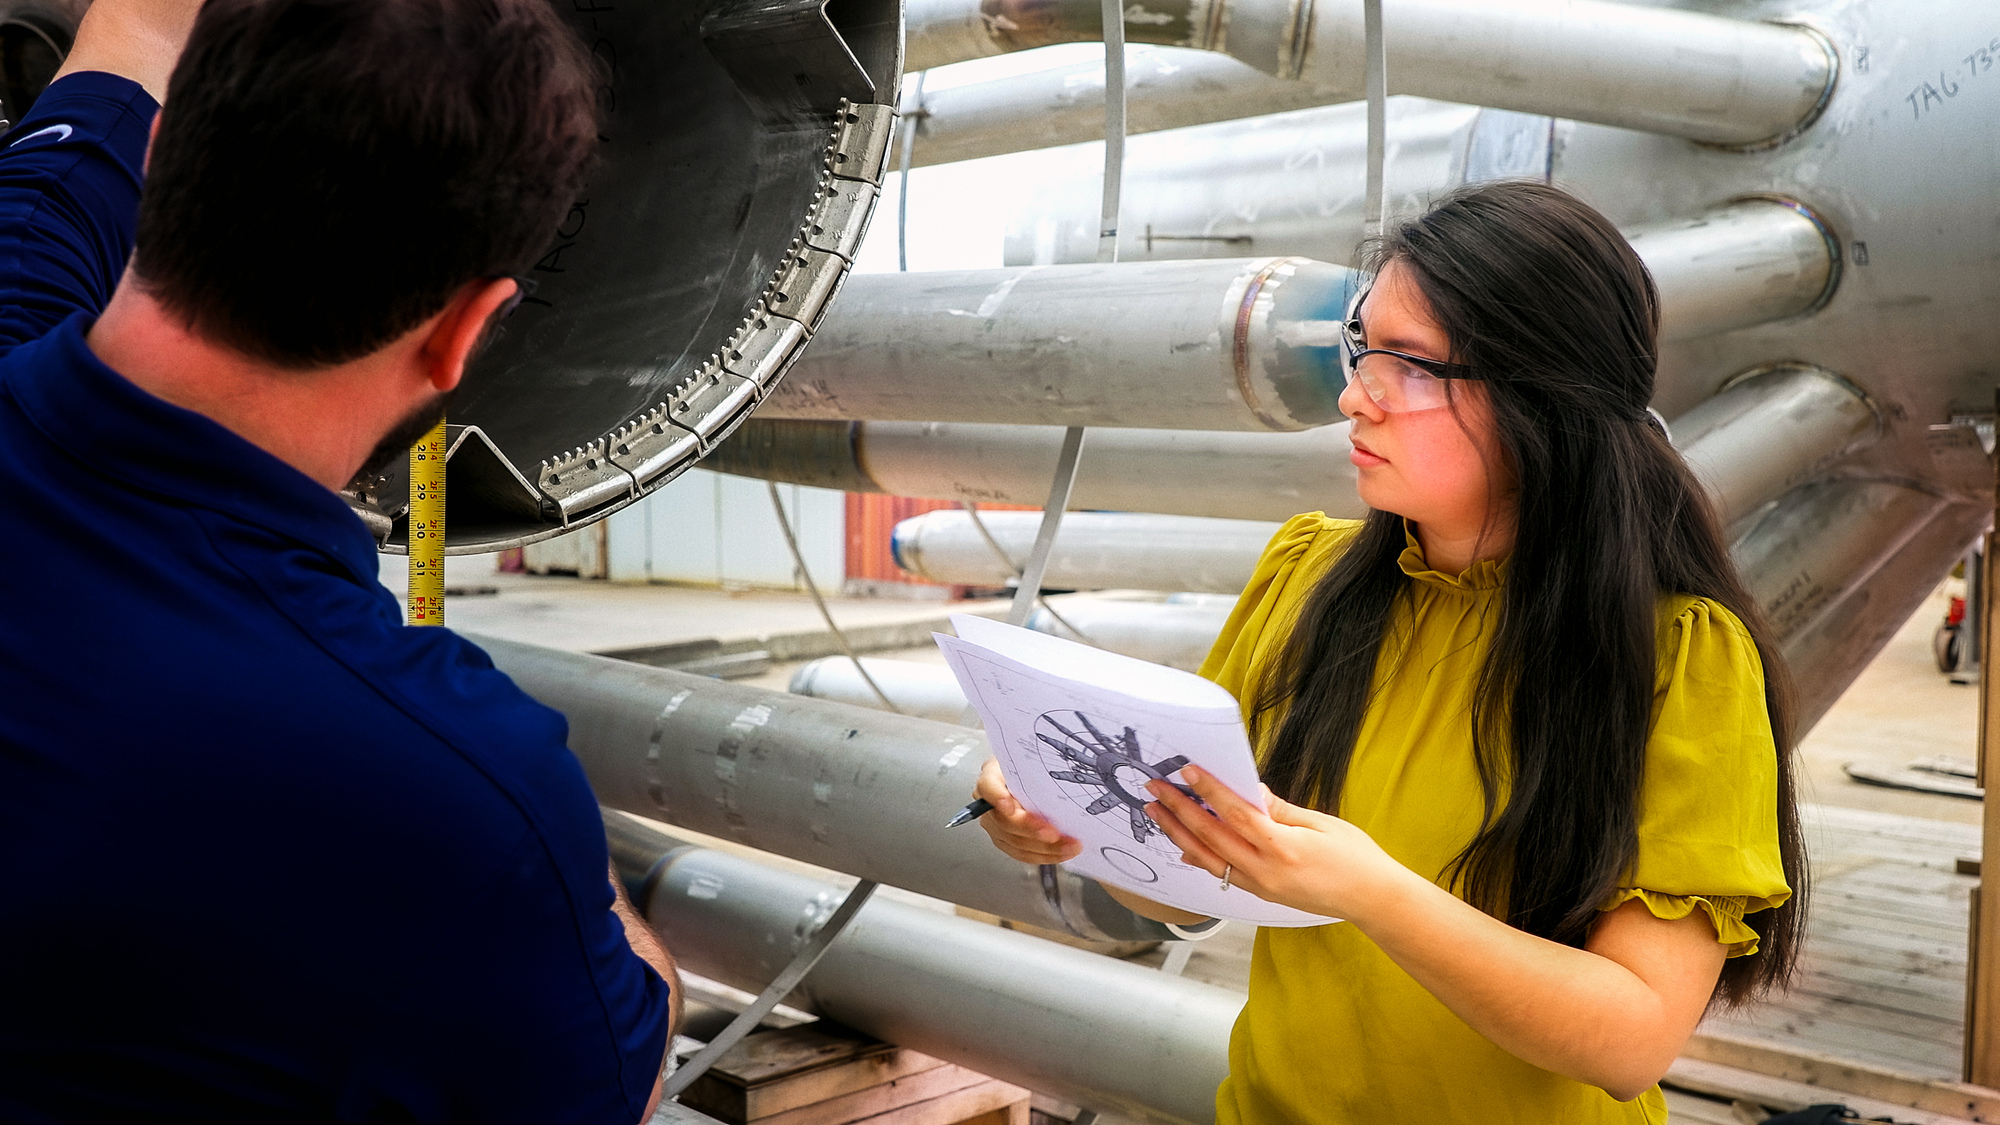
<point>1290,855</point>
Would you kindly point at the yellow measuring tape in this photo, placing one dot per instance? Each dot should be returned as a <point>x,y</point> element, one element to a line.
<point>427,528</point>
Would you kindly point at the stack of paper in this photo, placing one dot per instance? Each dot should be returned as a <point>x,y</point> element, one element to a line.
<point>1079,732</point>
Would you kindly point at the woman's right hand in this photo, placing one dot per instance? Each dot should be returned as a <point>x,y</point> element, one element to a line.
<point>1016,831</point>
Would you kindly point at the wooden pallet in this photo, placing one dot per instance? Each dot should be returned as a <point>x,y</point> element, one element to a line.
<point>825,1074</point>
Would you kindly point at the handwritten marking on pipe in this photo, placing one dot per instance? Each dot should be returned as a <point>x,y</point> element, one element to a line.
<point>1977,66</point>
<point>655,786</point>
<point>952,757</point>
<point>741,728</point>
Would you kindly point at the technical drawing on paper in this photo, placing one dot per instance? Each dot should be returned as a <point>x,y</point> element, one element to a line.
<point>1104,773</point>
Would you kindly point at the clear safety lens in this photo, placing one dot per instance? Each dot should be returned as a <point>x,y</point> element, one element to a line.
<point>1397,385</point>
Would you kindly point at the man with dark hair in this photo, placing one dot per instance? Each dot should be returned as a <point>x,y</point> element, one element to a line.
<point>266,853</point>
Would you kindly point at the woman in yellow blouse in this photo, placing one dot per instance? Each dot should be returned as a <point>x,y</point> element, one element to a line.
<point>1521,726</point>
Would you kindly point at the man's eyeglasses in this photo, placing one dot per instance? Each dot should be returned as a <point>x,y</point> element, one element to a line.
<point>1398,382</point>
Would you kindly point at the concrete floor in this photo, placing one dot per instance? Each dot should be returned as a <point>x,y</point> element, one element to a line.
<point>1900,709</point>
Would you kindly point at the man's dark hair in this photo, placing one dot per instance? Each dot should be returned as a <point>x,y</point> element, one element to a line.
<point>329,173</point>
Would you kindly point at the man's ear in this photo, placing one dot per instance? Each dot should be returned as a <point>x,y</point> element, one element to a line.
<point>458,332</point>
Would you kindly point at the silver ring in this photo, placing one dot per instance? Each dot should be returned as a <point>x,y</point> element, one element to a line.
<point>1227,870</point>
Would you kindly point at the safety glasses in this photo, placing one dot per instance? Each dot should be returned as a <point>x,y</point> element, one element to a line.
<point>1398,382</point>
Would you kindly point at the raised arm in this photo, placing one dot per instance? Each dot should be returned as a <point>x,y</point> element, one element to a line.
<point>136,39</point>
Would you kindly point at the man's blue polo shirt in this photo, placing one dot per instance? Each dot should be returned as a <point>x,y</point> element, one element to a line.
<point>265,853</point>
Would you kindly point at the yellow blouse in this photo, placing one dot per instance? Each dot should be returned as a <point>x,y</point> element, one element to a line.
<point>1334,1031</point>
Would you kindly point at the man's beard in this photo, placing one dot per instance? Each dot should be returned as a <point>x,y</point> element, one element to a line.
<point>398,440</point>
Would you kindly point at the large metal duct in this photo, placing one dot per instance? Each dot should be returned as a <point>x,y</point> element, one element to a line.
<point>1093,550</point>
<point>862,792</point>
<point>1771,429</point>
<point>1247,344</point>
<point>1685,74</point>
<point>677,291</point>
<point>1099,1032</point>
<point>1265,476</point>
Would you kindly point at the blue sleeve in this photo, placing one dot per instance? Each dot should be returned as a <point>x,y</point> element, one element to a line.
<point>70,174</point>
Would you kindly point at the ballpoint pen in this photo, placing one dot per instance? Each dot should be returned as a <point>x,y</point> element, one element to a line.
<point>970,813</point>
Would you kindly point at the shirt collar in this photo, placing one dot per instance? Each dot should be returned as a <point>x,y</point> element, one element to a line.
<point>113,427</point>
<point>1486,574</point>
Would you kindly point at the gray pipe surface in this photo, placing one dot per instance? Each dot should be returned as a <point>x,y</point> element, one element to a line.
<point>927,691</point>
<point>1771,430</point>
<point>1086,1028</point>
<point>1231,345</point>
<point>1093,551</point>
<point>1164,89</point>
<point>858,791</point>
<point>1266,476</point>
<point>1749,262</point>
<point>1685,74</point>
<point>1177,635</point>
<point>1296,182</point>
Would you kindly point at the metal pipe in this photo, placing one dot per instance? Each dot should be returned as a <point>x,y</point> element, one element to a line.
<point>1096,550</point>
<point>858,791</point>
<point>1771,429</point>
<point>1266,476</point>
<point>1751,261</point>
<point>1164,89</point>
<point>1086,1028</point>
<point>1295,182</point>
<point>928,691</point>
<point>1708,78</point>
<point>1177,635</point>
<point>1249,344</point>
<point>1837,566</point>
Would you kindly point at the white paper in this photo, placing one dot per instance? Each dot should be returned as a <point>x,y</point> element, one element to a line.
<point>1079,731</point>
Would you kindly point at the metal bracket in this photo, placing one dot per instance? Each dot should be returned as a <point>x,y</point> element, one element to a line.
<point>779,988</point>
<point>861,146</point>
<point>585,479</point>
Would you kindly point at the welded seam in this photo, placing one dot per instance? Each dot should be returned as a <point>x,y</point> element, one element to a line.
<point>1245,311</point>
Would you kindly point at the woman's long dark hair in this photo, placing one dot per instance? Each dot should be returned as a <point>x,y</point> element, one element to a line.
<point>1542,295</point>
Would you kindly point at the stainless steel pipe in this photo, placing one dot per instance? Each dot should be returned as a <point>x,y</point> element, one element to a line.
<point>1296,182</point>
<point>862,792</point>
<point>1770,430</point>
<point>1744,263</point>
<point>927,691</point>
<point>1093,550</point>
<point>1178,635</point>
<point>1268,476</point>
<point>1164,89</point>
<point>1292,182</point>
<point>1088,1029</point>
<point>1246,344</point>
<point>1839,565</point>
<point>1686,74</point>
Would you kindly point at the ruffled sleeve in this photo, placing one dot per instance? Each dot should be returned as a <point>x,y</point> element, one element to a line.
<point>1708,814</point>
<point>1297,555</point>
